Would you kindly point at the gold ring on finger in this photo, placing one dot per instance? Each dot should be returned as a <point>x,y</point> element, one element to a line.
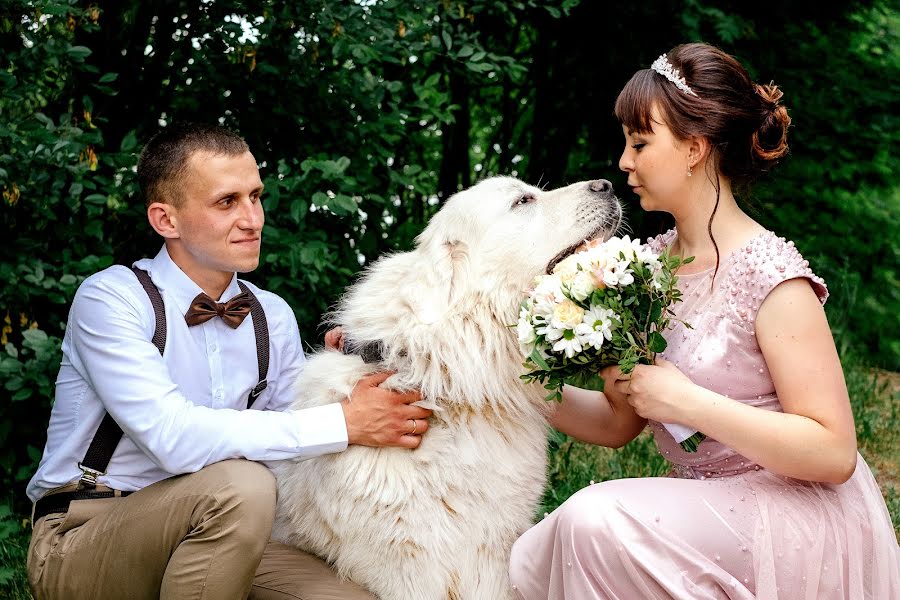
<point>415,427</point>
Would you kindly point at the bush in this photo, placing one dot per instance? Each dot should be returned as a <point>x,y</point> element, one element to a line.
<point>364,117</point>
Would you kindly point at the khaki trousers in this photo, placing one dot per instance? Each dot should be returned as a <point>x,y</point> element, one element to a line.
<point>199,536</point>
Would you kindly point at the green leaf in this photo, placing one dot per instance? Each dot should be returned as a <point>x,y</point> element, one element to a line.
<point>656,342</point>
<point>109,77</point>
<point>537,359</point>
<point>691,444</point>
<point>342,204</point>
<point>33,453</point>
<point>22,394</point>
<point>129,142</point>
<point>587,380</point>
<point>34,336</point>
<point>79,53</point>
<point>478,67</point>
<point>44,119</point>
<point>14,384</point>
<point>299,208</point>
<point>432,81</point>
<point>320,199</point>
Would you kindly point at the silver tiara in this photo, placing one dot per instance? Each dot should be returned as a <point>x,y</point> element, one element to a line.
<point>662,66</point>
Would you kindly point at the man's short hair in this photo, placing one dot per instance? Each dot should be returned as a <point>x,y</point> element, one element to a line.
<point>163,163</point>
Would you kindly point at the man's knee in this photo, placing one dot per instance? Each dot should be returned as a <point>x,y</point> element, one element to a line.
<point>246,479</point>
<point>285,573</point>
<point>245,488</point>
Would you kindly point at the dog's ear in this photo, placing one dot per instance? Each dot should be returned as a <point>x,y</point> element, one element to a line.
<point>445,266</point>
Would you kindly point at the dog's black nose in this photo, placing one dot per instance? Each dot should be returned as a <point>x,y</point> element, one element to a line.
<point>602,186</point>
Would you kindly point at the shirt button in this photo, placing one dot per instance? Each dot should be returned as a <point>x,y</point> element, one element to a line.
<point>212,347</point>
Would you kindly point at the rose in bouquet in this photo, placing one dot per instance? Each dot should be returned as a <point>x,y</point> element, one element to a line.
<point>606,304</point>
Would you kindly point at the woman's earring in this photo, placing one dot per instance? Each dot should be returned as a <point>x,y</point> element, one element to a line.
<point>689,171</point>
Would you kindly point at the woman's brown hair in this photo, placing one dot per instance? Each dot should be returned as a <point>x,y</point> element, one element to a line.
<point>745,123</point>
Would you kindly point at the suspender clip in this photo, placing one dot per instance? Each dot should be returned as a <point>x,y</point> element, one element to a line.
<point>89,476</point>
<point>256,391</point>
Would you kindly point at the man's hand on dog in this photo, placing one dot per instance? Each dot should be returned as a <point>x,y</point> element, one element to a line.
<point>381,417</point>
<point>377,416</point>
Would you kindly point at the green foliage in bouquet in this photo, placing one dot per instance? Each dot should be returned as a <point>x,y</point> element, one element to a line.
<point>622,319</point>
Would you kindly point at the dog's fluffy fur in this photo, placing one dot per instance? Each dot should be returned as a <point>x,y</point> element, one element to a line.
<point>438,522</point>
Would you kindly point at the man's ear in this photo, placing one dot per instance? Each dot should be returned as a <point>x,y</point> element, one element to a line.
<point>444,276</point>
<point>164,219</point>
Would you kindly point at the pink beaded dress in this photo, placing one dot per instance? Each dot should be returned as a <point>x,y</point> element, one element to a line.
<point>719,526</point>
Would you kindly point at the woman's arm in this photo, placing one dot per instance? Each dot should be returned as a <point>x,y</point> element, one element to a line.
<point>814,438</point>
<point>598,418</point>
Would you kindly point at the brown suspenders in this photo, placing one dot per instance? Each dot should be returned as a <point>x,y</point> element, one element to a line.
<point>108,434</point>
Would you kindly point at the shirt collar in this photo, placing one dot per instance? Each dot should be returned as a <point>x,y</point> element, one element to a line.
<point>169,277</point>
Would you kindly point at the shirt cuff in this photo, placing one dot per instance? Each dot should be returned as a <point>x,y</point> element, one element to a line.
<point>321,430</point>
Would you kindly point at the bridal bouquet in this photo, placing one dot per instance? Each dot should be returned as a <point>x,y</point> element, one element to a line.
<point>606,304</point>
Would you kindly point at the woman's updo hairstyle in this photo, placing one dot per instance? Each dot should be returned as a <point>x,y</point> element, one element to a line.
<point>744,122</point>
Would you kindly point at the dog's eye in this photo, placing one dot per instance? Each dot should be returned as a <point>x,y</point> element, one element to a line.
<point>523,200</point>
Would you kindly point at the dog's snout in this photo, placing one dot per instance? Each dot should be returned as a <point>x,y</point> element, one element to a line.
<point>601,186</point>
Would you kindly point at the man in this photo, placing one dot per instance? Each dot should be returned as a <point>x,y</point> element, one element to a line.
<point>183,510</point>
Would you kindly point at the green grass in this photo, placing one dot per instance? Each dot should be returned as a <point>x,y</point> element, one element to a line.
<point>15,531</point>
<point>573,465</point>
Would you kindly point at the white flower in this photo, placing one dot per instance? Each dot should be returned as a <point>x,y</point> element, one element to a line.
<point>596,326</point>
<point>647,256</point>
<point>596,263</point>
<point>618,274</point>
<point>525,331</point>
<point>567,315</point>
<point>570,346</point>
<point>624,247</point>
<point>567,266</point>
<point>548,288</point>
<point>549,332</point>
<point>582,286</point>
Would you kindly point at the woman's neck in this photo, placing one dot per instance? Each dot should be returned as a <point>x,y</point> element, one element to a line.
<point>731,226</point>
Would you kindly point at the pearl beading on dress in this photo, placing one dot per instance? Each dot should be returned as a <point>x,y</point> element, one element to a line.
<point>744,279</point>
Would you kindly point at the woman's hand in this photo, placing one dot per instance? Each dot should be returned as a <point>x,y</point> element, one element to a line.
<point>659,392</point>
<point>614,382</point>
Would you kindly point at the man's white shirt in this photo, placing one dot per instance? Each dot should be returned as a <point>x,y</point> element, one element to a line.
<point>185,409</point>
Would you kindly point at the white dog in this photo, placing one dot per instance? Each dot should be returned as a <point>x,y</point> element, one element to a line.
<point>438,522</point>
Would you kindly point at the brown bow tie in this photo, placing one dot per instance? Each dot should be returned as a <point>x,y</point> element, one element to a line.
<point>203,308</point>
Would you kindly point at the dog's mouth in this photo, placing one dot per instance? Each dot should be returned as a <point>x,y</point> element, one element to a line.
<point>600,231</point>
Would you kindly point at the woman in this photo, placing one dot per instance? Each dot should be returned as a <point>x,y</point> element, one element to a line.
<point>776,502</point>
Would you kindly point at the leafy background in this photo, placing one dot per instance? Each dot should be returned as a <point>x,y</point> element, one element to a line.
<point>365,115</point>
